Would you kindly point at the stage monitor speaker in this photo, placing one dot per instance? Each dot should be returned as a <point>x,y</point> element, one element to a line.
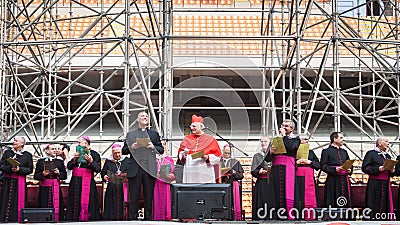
<point>32,215</point>
<point>202,201</point>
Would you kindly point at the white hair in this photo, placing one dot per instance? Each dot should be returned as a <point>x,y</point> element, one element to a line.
<point>380,139</point>
<point>291,123</point>
<point>20,139</point>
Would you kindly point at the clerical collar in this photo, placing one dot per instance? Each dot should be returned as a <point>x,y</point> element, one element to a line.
<point>49,158</point>
<point>142,129</point>
<point>379,151</point>
<point>20,152</point>
<point>159,156</point>
<point>291,135</point>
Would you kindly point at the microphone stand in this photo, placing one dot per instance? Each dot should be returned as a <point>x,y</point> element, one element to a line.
<point>227,141</point>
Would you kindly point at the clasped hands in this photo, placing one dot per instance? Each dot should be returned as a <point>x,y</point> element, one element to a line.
<point>263,171</point>
<point>303,162</point>
<point>47,172</point>
<point>15,169</point>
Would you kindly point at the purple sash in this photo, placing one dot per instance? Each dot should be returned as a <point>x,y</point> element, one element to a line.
<point>288,162</point>
<point>87,176</point>
<point>237,209</point>
<point>385,176</point>
<point>310,200</point>
<point>55,184</point>
<point>382,176</point>
<point>21,191</point>
<point>342,172</point>
<point>125,189</point>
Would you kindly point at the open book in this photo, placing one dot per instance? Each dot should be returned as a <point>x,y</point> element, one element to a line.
<point>142,142</point>
<point>277,142</point>
<point>13,162</point>
<point>49,165</point>
<point>347,165</point>
<point>389,164</point>
<point>115,179</point>
<point>197,155</point>
<point>165,170</point>
<point>82,152</point>
<point>225,170</point>
<point>302,152</point>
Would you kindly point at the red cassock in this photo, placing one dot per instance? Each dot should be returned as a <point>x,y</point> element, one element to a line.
<point>197,143</point>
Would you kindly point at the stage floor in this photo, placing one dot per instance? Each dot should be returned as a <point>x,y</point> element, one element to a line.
<point>229,222</point>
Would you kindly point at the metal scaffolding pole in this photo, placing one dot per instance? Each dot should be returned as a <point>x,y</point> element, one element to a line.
<point>74,67</point>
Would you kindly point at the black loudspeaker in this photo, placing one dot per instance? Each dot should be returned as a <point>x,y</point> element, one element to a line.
<point>30,215</point>
<point>202,201</point>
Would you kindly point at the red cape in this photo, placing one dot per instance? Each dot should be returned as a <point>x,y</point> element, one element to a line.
<point>204,142</point>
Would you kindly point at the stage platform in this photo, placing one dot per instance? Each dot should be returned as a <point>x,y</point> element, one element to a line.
<point>226,222</point>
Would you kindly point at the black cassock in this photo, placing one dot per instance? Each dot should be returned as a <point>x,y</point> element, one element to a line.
<point>337,186</point>
<point>377,195</point>
<point>301,187</point>
<point>114,196</point>
<point>282,177</point>
<point>229,178</point>
<point>45,194</point>
<point>10,189</point>
<point>261,196</point>
<point>75,190</point>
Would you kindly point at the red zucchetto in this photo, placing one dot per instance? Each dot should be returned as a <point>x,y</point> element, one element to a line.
<point>196,118</point>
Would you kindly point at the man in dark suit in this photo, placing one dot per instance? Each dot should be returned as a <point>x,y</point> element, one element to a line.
<point>142,144</point>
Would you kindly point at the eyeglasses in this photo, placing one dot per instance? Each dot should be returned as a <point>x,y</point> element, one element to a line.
<point>227,153</point>
<point>285,125</point>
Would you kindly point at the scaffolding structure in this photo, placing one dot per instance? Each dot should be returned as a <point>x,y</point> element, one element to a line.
<point>72,67</point>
